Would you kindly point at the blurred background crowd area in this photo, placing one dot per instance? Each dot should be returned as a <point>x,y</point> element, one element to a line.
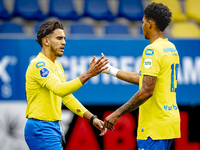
<point>96,17</point>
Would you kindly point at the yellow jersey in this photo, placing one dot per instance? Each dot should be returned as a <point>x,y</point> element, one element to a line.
<point>46,88</point>
<point>159,116</point>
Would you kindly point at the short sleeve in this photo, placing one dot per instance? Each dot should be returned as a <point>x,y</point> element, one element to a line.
<point>151,60</point>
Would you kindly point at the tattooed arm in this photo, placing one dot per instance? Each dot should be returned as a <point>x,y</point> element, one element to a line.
<point>138,99</point>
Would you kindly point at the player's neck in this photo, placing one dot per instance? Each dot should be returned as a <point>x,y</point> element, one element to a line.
<point>49,55</point>
<point>155,35</point>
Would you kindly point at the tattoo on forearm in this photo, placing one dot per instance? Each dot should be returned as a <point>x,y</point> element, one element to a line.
<point>132,104</point>
<point>148,81</point>
<point>139,98</point>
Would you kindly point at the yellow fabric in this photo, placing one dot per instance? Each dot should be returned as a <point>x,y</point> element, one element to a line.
<point>159,116</point>
<point>185,30</point>
<point>45,86</point>
<point>192,9</point>
<point>74,105</point>
<point>62,89</point>
<point>175,7</point>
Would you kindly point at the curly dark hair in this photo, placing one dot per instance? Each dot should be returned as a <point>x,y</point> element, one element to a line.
<point>47,28</point>
<point>159,13</point>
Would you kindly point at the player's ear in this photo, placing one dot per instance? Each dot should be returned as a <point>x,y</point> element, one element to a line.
<point>45,41</point>
<point>150,24</point>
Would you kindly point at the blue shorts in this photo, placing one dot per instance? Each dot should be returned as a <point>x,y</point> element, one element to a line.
<point>43,135</point>
<point>150,144</point>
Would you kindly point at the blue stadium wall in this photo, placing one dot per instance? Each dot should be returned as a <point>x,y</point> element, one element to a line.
<point>101,94</point>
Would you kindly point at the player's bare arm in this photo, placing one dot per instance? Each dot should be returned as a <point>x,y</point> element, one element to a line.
<point>141,96</point>
<point>138,99</point>
<point>131,77</point>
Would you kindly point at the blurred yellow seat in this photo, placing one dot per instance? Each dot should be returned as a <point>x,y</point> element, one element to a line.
<point>175,7</point>
<point>185,30</point>
<point>192,9</point>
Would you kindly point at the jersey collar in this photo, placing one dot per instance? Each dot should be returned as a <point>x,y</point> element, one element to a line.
<point>161,39</point>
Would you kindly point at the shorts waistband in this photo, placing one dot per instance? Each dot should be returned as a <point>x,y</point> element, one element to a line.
<point>43,120</point>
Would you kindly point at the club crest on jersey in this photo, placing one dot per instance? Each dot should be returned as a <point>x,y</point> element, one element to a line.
<point>149,52</point>
<point>44,72</point>
<point>147,63</point>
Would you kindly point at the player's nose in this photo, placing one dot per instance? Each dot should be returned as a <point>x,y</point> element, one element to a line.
<point>63,42</point>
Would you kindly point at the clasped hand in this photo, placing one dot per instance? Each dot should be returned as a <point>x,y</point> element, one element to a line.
<point>111,120</point>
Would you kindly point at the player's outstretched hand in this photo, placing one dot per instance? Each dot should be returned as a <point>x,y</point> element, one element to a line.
<point>110,69</point>
<point>100,125</point>
<point>110,121</point>
<point>107,71</point>
<point>98,66</point>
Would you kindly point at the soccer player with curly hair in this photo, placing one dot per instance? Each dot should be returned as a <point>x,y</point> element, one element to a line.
<point>159,119</point>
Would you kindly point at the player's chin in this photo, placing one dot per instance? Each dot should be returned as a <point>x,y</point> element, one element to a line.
<point>60,54</point>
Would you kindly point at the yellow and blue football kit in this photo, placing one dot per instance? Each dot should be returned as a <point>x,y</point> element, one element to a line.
<point>159,116</point>
<point>46,89</point>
